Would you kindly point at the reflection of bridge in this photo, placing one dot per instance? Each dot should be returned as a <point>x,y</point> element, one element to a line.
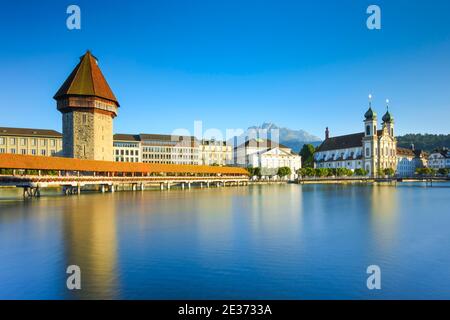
<point>33,173</point>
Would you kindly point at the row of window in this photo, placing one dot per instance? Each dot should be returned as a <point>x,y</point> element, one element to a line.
<point>32,142</point>
<point>169,150</point>
<point>169,156</point>
<point>126,159</point>
<point>33,152</point>
<point>127,152</point>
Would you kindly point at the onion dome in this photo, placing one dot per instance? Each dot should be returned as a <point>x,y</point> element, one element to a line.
<point>370,114</point>
<point>387,117</point>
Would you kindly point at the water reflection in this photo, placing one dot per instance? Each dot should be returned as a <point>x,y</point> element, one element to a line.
<point>90,241</point>
<point>257,242</point>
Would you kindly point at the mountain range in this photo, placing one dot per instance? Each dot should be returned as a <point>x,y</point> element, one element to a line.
<point>294,139</point>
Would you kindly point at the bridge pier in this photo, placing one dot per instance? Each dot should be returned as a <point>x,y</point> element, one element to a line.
<point>30,192</point>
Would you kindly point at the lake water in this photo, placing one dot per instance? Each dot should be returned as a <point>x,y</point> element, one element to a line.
<point>257,242</point>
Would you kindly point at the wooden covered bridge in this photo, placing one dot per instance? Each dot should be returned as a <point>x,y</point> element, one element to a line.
<point>32,173</point>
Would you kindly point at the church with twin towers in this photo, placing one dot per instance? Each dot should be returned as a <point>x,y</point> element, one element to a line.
<point>374,149</point>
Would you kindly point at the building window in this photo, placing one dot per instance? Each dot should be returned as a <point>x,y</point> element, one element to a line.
<point>2,140</point>
<point>368,130</point>
<point>43,152</point>
<point>367,152</point>
<point>22,142</point>
<point>2,150</point>
<point>53,142</point>
<point>33,142</point>
<point>13,151</point>
<point>12,140</point>
<point>23,151</point>
<point>33,152</point>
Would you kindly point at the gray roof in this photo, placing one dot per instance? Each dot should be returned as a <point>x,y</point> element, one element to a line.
<point>29,132</point>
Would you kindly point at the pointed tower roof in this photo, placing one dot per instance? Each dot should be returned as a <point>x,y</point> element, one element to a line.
<point>86,80</point>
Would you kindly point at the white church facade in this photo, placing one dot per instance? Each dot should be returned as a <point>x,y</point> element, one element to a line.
<point>373,149</point>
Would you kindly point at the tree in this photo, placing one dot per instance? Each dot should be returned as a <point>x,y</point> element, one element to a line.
<point>360,172</point>
<point>425,171</point>
<point>307,154</point>
<point>389,172</point>
<point>284,171</point>
<point>321,172</point>
<point>340,172</point>
<point>443,171</point>
<point>257,172</point>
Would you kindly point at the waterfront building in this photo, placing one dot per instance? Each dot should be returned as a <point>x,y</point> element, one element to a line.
<point>127,148</point>
<point>439,159</point>
<point>408,160</point>
<point>88,107</point>
<point>214,152</point>
<point>372,149</point>
<point>267,155</point>
<point>170,149</point>
<point>36,142</point>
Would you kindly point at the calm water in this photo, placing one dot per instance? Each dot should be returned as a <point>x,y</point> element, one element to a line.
<point>259,242</point>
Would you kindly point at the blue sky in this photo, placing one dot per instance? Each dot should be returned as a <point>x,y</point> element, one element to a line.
<point>232,64</point>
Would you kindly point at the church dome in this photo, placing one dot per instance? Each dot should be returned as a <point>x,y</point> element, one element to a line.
<point>388,117</point>
<point>370,114</point>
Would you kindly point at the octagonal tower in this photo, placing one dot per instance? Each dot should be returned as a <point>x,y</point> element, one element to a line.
<point>88,107</point>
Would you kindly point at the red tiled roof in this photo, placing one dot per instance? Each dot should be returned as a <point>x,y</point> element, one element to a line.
<point>86,80</point>
<point>16,161</point>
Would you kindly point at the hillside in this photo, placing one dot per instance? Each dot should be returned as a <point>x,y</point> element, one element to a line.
<point>427,142</point>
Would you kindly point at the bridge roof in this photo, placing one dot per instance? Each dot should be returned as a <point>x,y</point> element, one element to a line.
<point>16,161</point>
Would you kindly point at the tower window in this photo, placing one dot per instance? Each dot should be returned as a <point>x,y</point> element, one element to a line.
<point>368,130</point>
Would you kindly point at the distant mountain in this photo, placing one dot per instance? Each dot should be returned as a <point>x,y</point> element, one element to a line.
<point>294,139</point>
<point>426,142</point>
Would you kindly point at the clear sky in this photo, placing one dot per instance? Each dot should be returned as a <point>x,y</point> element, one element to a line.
<point>232,64</point>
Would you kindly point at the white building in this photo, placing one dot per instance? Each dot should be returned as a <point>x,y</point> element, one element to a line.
<point>439,159</point>
<point>35,142</point>
<point>372,150</point>
<point>267,155</point>
<point>127,148</point>
<point>408,160</point>
<point>214,152</point>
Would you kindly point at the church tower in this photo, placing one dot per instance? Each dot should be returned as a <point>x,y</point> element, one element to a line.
<point>370,141</point>
<point>88,107</point>
<point>388,120</point>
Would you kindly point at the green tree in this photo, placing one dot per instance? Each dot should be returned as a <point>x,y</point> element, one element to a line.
<point>257,172</point>
<point>443,171</point>
<point>284,171</point>
<point>389,172</point>
<point>307,154</point>
<point>360,172</point>
<point>321,172</point>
